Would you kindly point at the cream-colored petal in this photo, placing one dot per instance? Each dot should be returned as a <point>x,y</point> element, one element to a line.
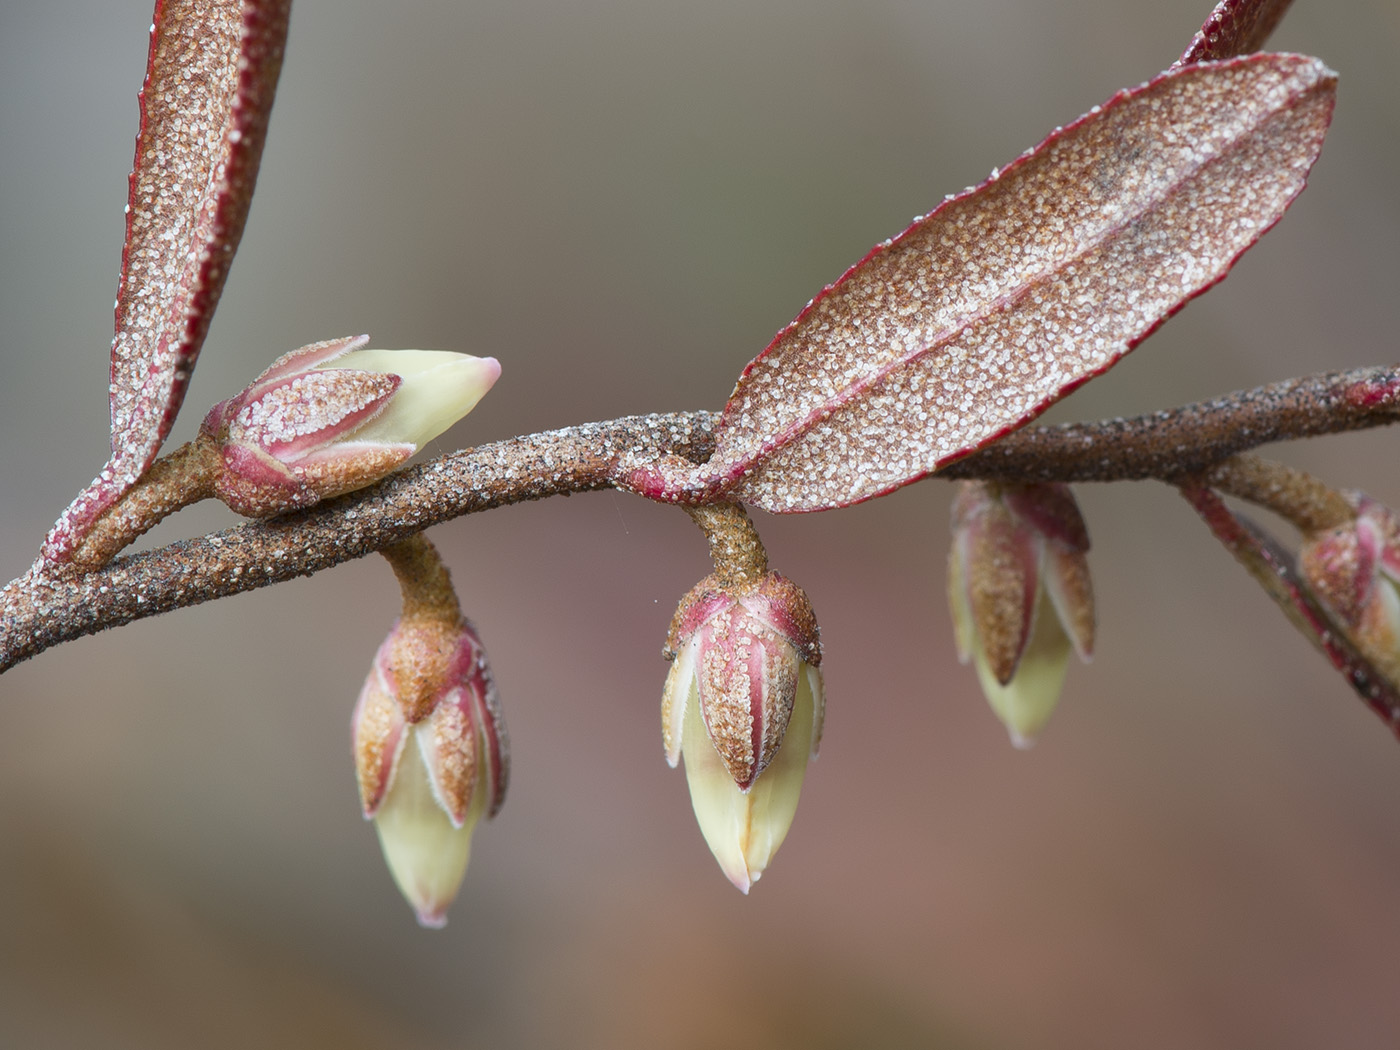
<point>774,795</point>
<point>439,387</point>
<point>426,855</point>
<point>675,700</point>
<point>745,829</point>
<point>1026,702</point>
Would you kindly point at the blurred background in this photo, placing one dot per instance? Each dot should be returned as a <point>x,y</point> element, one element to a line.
<point>623,200</point>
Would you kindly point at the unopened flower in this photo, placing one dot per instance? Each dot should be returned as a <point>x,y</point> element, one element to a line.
<point>333,417</point>
<point>743,704</point>
<point>1018,584</point>
<point>1355,569</point>
<point>432,757</point>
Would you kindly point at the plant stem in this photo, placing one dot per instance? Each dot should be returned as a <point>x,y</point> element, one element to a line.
<point>1184,441</point>
<point>430,628</point>
<point>43,607</point>
<point>173,482</point>
<point>735,549</point>
<point>1300,498</point>
<point>424,581</point>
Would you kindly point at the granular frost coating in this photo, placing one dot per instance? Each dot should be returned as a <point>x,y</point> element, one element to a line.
<point>210,80</point>
<point>311,403</point>
<point>213,70</point>
<point>1004,299</point>
<point>1235,27</point>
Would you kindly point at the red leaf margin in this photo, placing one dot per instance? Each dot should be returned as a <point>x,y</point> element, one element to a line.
<point>1235,27</point>
<point>211,77</point>
<point>752,439</point>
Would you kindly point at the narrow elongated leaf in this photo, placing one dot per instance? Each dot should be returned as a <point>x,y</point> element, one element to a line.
<point>1007,297</point>
<point>1235,27</point>
<point>210,81</point>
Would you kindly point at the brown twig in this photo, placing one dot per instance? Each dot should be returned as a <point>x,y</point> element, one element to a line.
<point>1300,498</point>
<point>39,610</point>
<point>174,482</point>
<point>1183,441</point>
<point>735,547</point>
<point>429,631</point>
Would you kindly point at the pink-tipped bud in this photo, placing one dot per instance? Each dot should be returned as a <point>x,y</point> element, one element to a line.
<point>332,417</point>
<point>1355,570</point>
<point>431,756</point>
<point>1018,585</point>
<point>743,704</point>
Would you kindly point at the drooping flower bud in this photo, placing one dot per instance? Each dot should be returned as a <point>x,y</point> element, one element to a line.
<point>432,757</point>
<point>1018,585</point>
<point>743,703</point>
<point>1355,569</point>
<point>332,417</point>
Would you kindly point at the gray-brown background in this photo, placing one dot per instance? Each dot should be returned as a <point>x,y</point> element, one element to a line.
<point>623,200</point>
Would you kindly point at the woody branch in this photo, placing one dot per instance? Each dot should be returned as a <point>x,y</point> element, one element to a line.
<point>41,609</point>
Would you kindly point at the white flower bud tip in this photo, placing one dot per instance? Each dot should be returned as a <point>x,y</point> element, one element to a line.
<point>439,387</point>
<point>745,828</point>
<point>426,854</point>
<point>1026,702</point>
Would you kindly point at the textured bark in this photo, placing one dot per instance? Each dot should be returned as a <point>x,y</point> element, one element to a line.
<point>43,608</point>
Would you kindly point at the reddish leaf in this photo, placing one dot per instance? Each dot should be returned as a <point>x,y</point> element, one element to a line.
<point>1273,568</point>
<point>1007,297</point>
<point>210,81</point>
<point>1235,27</point>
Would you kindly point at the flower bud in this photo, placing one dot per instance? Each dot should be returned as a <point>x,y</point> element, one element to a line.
<point>432,758</point>
<point>743,704</point>
<point>1018,585</point>
<point>1355,570</point>
<point>332,417</point>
